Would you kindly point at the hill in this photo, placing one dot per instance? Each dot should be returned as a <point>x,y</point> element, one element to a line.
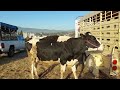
<point>34,30</point>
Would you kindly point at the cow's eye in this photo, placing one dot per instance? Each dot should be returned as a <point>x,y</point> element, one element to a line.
<point>93,38</point>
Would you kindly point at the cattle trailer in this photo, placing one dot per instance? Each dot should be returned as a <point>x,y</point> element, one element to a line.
<point>105,26</point>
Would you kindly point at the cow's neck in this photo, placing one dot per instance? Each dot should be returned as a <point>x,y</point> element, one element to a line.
<point>79,45</point>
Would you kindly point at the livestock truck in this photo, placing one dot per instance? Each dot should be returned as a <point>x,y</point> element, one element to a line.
<point>105,26</point>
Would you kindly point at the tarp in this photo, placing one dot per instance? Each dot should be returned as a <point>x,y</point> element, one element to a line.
<point>12,27</point>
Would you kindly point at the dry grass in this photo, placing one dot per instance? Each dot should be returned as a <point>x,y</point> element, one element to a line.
<point>18,67</point>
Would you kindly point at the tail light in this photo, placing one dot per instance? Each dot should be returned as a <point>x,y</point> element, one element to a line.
<point>114,68</point>
<point>2,45</point>
<point>114,64</point>
<point>114,61</point>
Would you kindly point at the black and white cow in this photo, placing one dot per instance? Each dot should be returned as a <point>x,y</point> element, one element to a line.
<point>55,48</point>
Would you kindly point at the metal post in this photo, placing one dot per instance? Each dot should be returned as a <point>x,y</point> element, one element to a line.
<point>119,38</point>
<point>76,26</point>
<point>111,14</point>
<point>100,27</point>
<point>105,15</point>
<point>0,34</point>
<point>119,31</point>
<point>90,24</point>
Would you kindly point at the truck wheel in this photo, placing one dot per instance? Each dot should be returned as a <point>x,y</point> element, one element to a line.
<point>11,52</point>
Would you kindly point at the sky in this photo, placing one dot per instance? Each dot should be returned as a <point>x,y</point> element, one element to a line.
<point>57,20</point>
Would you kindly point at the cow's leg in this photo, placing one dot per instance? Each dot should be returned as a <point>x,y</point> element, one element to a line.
<point>96,72</point>
<point>32,69</point>
<point>32,64</point>
<point>96,68</point>
<point>63,68</point>
<point>35,68</point>
<point>82,68</point>
<point>98,62</point>
<point>74,71</point>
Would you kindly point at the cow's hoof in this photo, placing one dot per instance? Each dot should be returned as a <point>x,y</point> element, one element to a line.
<point>97,78</point>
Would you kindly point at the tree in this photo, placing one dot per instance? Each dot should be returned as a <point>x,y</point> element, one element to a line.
<point>21,33</point>
<point>18,33</point>
<point>27,38</point>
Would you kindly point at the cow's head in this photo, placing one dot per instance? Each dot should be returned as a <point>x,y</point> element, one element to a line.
<point>90,40</point>
<point>31,42</point>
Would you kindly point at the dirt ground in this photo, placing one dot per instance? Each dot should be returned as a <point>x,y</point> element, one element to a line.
<point>18,67</point>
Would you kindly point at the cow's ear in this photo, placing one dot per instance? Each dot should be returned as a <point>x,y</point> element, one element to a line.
<point>87,33</point>
<point>82,35</point>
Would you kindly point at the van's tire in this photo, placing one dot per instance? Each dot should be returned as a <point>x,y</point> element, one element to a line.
<point>11,51</point>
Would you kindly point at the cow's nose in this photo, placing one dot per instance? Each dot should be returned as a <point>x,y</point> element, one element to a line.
<point>99,44</point>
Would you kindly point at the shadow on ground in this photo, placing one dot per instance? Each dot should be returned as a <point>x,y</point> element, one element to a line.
<point>4,59</point>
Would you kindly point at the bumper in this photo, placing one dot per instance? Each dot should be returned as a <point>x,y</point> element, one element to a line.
<point>0,52</point>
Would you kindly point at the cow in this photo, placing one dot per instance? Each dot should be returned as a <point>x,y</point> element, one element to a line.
<point>92,63</point>
<point>94,60</point>
<point>52,48</point>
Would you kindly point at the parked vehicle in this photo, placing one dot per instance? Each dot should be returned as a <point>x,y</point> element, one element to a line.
<point>10,41</point>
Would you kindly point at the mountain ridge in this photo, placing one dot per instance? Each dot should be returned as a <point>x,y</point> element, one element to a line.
<point>35,30</point>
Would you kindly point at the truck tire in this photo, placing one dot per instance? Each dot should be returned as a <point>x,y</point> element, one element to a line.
<point>11,51</point>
